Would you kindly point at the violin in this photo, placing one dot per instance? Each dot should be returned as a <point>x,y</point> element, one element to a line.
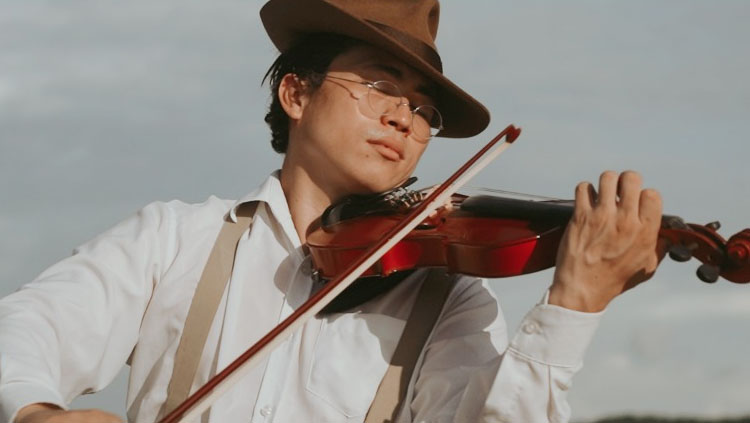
<point>494,236</point>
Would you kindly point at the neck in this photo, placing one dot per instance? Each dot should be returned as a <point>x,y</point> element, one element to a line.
<point>306,196</point>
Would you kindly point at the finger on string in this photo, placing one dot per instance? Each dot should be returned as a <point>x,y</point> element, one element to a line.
<point>607,189</point>
<point>629,190</point>
<point>593,195</point>
<point>650,208</point>
<point>585,197</point>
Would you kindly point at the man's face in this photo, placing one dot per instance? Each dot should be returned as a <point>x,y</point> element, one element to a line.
<point>342,143</point>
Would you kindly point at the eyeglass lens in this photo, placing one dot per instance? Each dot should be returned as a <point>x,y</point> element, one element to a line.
<point>385,97</point>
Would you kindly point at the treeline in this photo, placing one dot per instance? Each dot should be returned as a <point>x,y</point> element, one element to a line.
<point>630,419</point>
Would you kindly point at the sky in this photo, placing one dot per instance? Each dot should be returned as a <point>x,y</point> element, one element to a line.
<point>106,106</point>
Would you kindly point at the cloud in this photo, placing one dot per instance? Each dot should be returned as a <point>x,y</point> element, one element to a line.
<point>6,91</point>
<point>674,388</point>
<point>706,304</point>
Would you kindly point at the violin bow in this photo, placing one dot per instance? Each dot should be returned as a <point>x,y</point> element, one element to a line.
<point>204,397</point>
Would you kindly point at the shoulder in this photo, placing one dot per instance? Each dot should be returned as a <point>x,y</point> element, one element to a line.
<point>209,212</point>
<point>164,225</point>
<point>177,211</point>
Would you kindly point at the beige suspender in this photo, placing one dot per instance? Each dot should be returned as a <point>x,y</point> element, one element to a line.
<point>424,313</point>
<point>210,289</point>
<point>206,301</point>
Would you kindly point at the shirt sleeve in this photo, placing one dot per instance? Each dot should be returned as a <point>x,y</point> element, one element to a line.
<point>72,329</point>
<point>470,373</point>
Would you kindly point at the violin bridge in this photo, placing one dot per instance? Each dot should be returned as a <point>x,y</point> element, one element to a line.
<point>403,199</point>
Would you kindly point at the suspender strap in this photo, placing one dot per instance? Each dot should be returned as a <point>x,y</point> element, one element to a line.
<point>392,390</point>
<point>206,301</point>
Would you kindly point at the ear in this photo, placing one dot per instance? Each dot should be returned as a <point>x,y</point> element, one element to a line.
<point>292,95</point>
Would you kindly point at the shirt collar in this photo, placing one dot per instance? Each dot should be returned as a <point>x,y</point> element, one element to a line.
<point>271,193</point>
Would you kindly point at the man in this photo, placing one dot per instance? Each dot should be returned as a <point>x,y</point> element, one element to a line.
<point>358,93</point>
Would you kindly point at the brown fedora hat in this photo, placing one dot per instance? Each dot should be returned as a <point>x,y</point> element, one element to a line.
<point>404,28</point>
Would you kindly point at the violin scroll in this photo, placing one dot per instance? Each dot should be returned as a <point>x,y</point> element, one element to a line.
<point>729,259</point>
<point>737,268</point>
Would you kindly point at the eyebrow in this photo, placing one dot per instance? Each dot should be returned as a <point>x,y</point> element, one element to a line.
<point>428,90</point>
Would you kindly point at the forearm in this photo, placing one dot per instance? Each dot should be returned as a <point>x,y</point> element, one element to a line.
<point>529,382</point>
<point>34,412</point>
<point>49,413</point>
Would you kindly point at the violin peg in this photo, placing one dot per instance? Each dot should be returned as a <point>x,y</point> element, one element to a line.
<point>673,222</point>
<point>715,225</point>
<point>708,273</point>
<point>680,252</point>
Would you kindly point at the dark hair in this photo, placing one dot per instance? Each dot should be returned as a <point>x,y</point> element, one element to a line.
<point>309,59</point>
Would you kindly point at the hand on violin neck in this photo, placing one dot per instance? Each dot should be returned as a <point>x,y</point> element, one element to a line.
<point>610,243</point>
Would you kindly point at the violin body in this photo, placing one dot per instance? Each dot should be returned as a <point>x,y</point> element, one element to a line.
<point>495,237</point>
<point>463,243</point>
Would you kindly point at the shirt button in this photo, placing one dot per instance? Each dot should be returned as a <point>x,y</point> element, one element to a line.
<point>530,328</point>
<point>266,411</point>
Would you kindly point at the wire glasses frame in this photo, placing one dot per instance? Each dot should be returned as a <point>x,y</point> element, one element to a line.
<point>385,97</point>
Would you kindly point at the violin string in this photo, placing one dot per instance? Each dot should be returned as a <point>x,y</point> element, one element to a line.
<point>496,191</point>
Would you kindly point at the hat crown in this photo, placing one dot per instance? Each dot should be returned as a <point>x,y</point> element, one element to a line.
<point>416,18</point>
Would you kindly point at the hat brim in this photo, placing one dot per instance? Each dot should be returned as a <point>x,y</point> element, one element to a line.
<point>286,21</point>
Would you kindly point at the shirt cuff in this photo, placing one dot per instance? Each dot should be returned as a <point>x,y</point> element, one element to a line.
<point>555,335</point>
<point>16,395</point>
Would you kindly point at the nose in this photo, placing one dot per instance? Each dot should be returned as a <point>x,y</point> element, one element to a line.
<point>400,117</point>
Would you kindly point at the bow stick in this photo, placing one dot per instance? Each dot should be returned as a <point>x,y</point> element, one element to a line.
<point>202,399</point>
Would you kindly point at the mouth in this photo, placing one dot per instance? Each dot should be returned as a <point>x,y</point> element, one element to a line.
<point>388,149</point>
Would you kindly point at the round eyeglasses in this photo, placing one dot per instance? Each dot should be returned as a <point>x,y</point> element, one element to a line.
<point>385,97</point>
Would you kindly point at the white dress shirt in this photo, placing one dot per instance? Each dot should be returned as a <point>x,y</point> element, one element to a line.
<point>124,296</point>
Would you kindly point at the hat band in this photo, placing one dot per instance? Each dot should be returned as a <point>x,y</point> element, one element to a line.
<point>418,47</point>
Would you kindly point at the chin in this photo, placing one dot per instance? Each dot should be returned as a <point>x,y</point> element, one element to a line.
<point>370,179</point>
<point>375,186</point>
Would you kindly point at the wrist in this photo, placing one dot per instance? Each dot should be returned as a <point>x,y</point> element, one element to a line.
<point>575,299</point>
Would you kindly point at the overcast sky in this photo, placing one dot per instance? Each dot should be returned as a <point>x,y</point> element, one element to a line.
<point>106,106</point>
